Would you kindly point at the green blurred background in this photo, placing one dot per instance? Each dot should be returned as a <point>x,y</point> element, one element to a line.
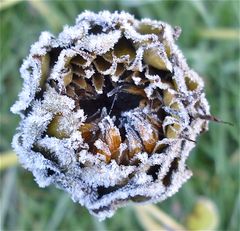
<point>210,41</point>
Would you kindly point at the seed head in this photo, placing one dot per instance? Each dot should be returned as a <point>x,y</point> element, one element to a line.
<point>109,111</point>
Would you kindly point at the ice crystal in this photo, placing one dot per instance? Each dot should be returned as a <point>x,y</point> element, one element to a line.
<point>109,111</point>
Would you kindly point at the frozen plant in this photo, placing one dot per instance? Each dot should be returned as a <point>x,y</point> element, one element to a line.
<point>109,111</point>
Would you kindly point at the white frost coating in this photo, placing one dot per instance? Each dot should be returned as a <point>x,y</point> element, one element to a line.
<point>100,44</point>
<point>41,47</point>
<point>72,121</point>
<point>62,105</point>
<point>156,83</point>
<point>30,85</point>
<point>130,32</point>
<point>71,34</point>
<point>137,63</point>
<point>107,175</point>
<point>81,168</point>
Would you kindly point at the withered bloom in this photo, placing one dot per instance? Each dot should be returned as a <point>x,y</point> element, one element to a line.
<point>109,111</point>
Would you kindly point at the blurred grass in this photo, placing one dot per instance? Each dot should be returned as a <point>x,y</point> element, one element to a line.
<point>210,41</point>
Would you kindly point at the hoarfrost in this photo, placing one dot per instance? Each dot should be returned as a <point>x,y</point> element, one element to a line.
<point>73,137</point>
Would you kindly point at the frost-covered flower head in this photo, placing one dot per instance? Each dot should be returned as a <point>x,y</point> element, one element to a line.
<point>109,111</point>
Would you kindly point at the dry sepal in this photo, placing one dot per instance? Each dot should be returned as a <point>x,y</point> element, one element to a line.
<point>109,111</point>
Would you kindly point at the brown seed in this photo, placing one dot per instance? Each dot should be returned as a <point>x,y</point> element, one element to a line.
<point>133,142</point>
<point>113,140</point>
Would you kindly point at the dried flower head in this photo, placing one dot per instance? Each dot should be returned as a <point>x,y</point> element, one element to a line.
<point>109,111</point>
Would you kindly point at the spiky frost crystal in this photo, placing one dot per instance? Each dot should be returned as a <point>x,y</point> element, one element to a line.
<point>109,111</point>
